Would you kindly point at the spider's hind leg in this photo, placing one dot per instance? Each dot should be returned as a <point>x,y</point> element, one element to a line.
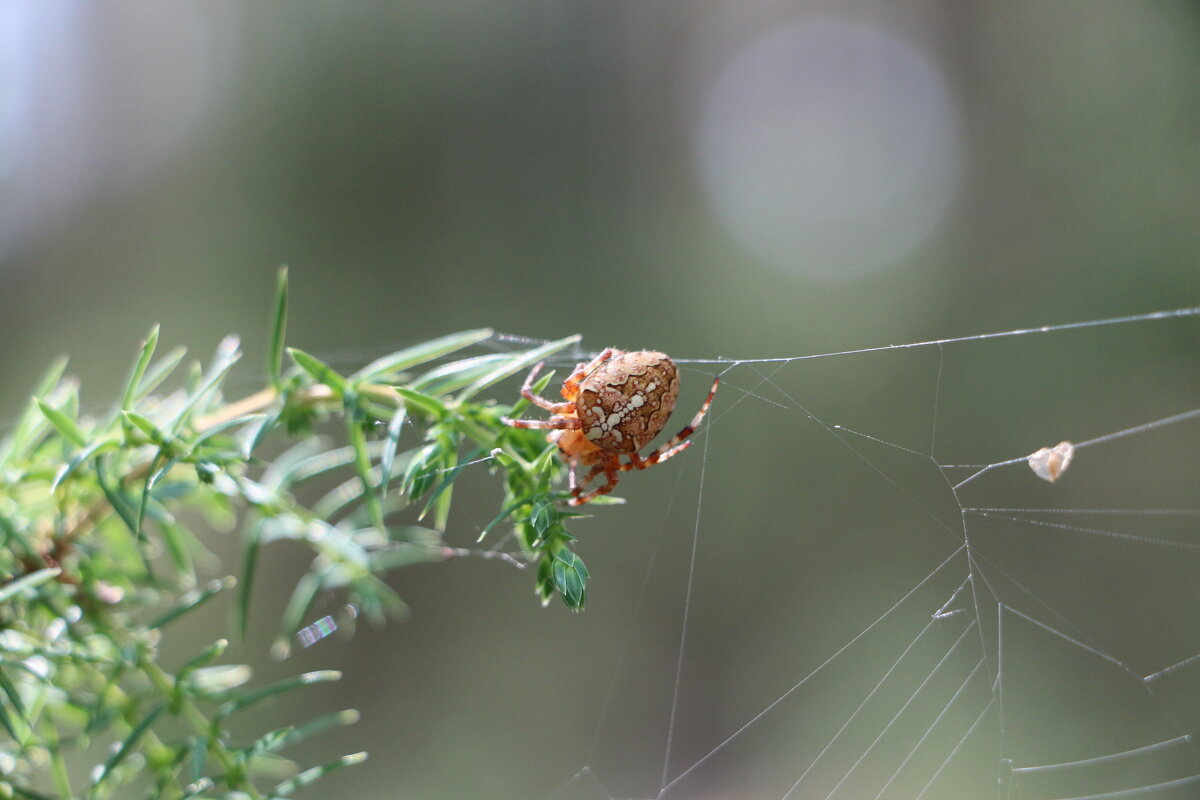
<point>677,443</point>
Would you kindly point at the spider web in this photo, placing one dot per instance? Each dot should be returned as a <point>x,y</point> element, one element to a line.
<point>923,617</point>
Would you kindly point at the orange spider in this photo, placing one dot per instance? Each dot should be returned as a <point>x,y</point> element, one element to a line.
<point>615,405</point>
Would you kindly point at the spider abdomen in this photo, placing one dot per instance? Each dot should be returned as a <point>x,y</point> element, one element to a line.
<point>626,401</point>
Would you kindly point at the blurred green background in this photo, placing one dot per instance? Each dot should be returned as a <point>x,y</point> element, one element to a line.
<point>711,179</point>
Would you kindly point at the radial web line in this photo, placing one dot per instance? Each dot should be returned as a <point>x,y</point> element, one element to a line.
<point>1095,531</point>
<point>1158,423</point>
<point>687,605</point>
<point>973,570</point>
<point>1155,315</point>
<point>834,430</point>
<point>882,441</point>
<point>1088,762</point>
<point>746,393</point>
<point>946,708</point>
<point>1072,640</point>
<point>1137,791</point>
<point>1108,437</point>
<point>1187,662</point>
<point>703,759</point>
<point>1002,607</point>
<point>989,468</point>
<point>861,706</point>
<point>937,667</point>
<point>937,396</point>
<point>999,683</point>
<point>978,556</point>
<point>954,751</point>
<point>1166,512</point>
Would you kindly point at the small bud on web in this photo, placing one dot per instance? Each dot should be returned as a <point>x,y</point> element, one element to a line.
<point>1051,462</point>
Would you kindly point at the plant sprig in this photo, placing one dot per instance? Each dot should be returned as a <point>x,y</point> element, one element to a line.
<point>98,562</point>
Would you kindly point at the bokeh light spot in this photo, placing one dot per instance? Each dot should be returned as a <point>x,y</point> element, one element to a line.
<point>829,148</point>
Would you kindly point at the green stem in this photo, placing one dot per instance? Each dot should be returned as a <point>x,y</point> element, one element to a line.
<point>203,727</point>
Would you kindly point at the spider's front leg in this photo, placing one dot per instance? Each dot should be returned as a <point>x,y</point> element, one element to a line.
<point>541,402</point>
<point>570,387</point>
<point>554,423</point>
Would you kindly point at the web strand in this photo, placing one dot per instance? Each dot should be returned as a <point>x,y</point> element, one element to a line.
<point>991,598</point>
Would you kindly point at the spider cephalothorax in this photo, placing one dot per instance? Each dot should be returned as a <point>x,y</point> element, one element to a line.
<point>615,405</point>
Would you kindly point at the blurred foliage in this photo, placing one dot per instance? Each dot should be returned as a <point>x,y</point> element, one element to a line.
<point>98,562</point>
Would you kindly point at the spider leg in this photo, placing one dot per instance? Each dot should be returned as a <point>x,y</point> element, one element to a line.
<point>570,387</point>
<point>591,476</point>
<point>572,482</point>
<point>609,467</point>
<point>676,444</point>
<point>541,402</point>
<point>554,423</point>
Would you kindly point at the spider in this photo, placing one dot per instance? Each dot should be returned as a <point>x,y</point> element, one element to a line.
<point>615,405</point>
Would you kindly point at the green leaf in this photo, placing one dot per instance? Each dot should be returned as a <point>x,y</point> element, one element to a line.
<point>362,464</point>
<point>199,786</point>
<point>201,660</point>
<point>174,537</point>
<point>159,372</point>
<point>249,420</point>
<point>298,605</point>
<point>193,600</point>
<point>288,684</point>
<point>311,776</point>
<point>395,427</point>
<point>120,505</point>
<point>95,448</point>
<point>503,515</point>
<point>538,388</point>
<point>8,726</point>
<point>128,745</point>
<point>301,465</point>
<point>278,329</point>
<point>453,376</point>
<point>318,370</point>
<point>257,428</point>
<point>199,753</point>
<point>30,794</point>
<point>404,555</point>
<point>424,403</point>
<point>25,432</point>
<point>418,474</point>
<point>62,423</point>
<point>249,563</point>
<point>139,369</point>
<point>152,478</point>
<point>445,484</point>
<point>145,426</point>
<point>544,514</point>
<point>570,578</point>
<point>14,696</point>
<point>515,365</point>
<point>419,354</point>
<point>215,682</point>
<point>29,581</point>
<point>226,356</point>
<point>294,734</point>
